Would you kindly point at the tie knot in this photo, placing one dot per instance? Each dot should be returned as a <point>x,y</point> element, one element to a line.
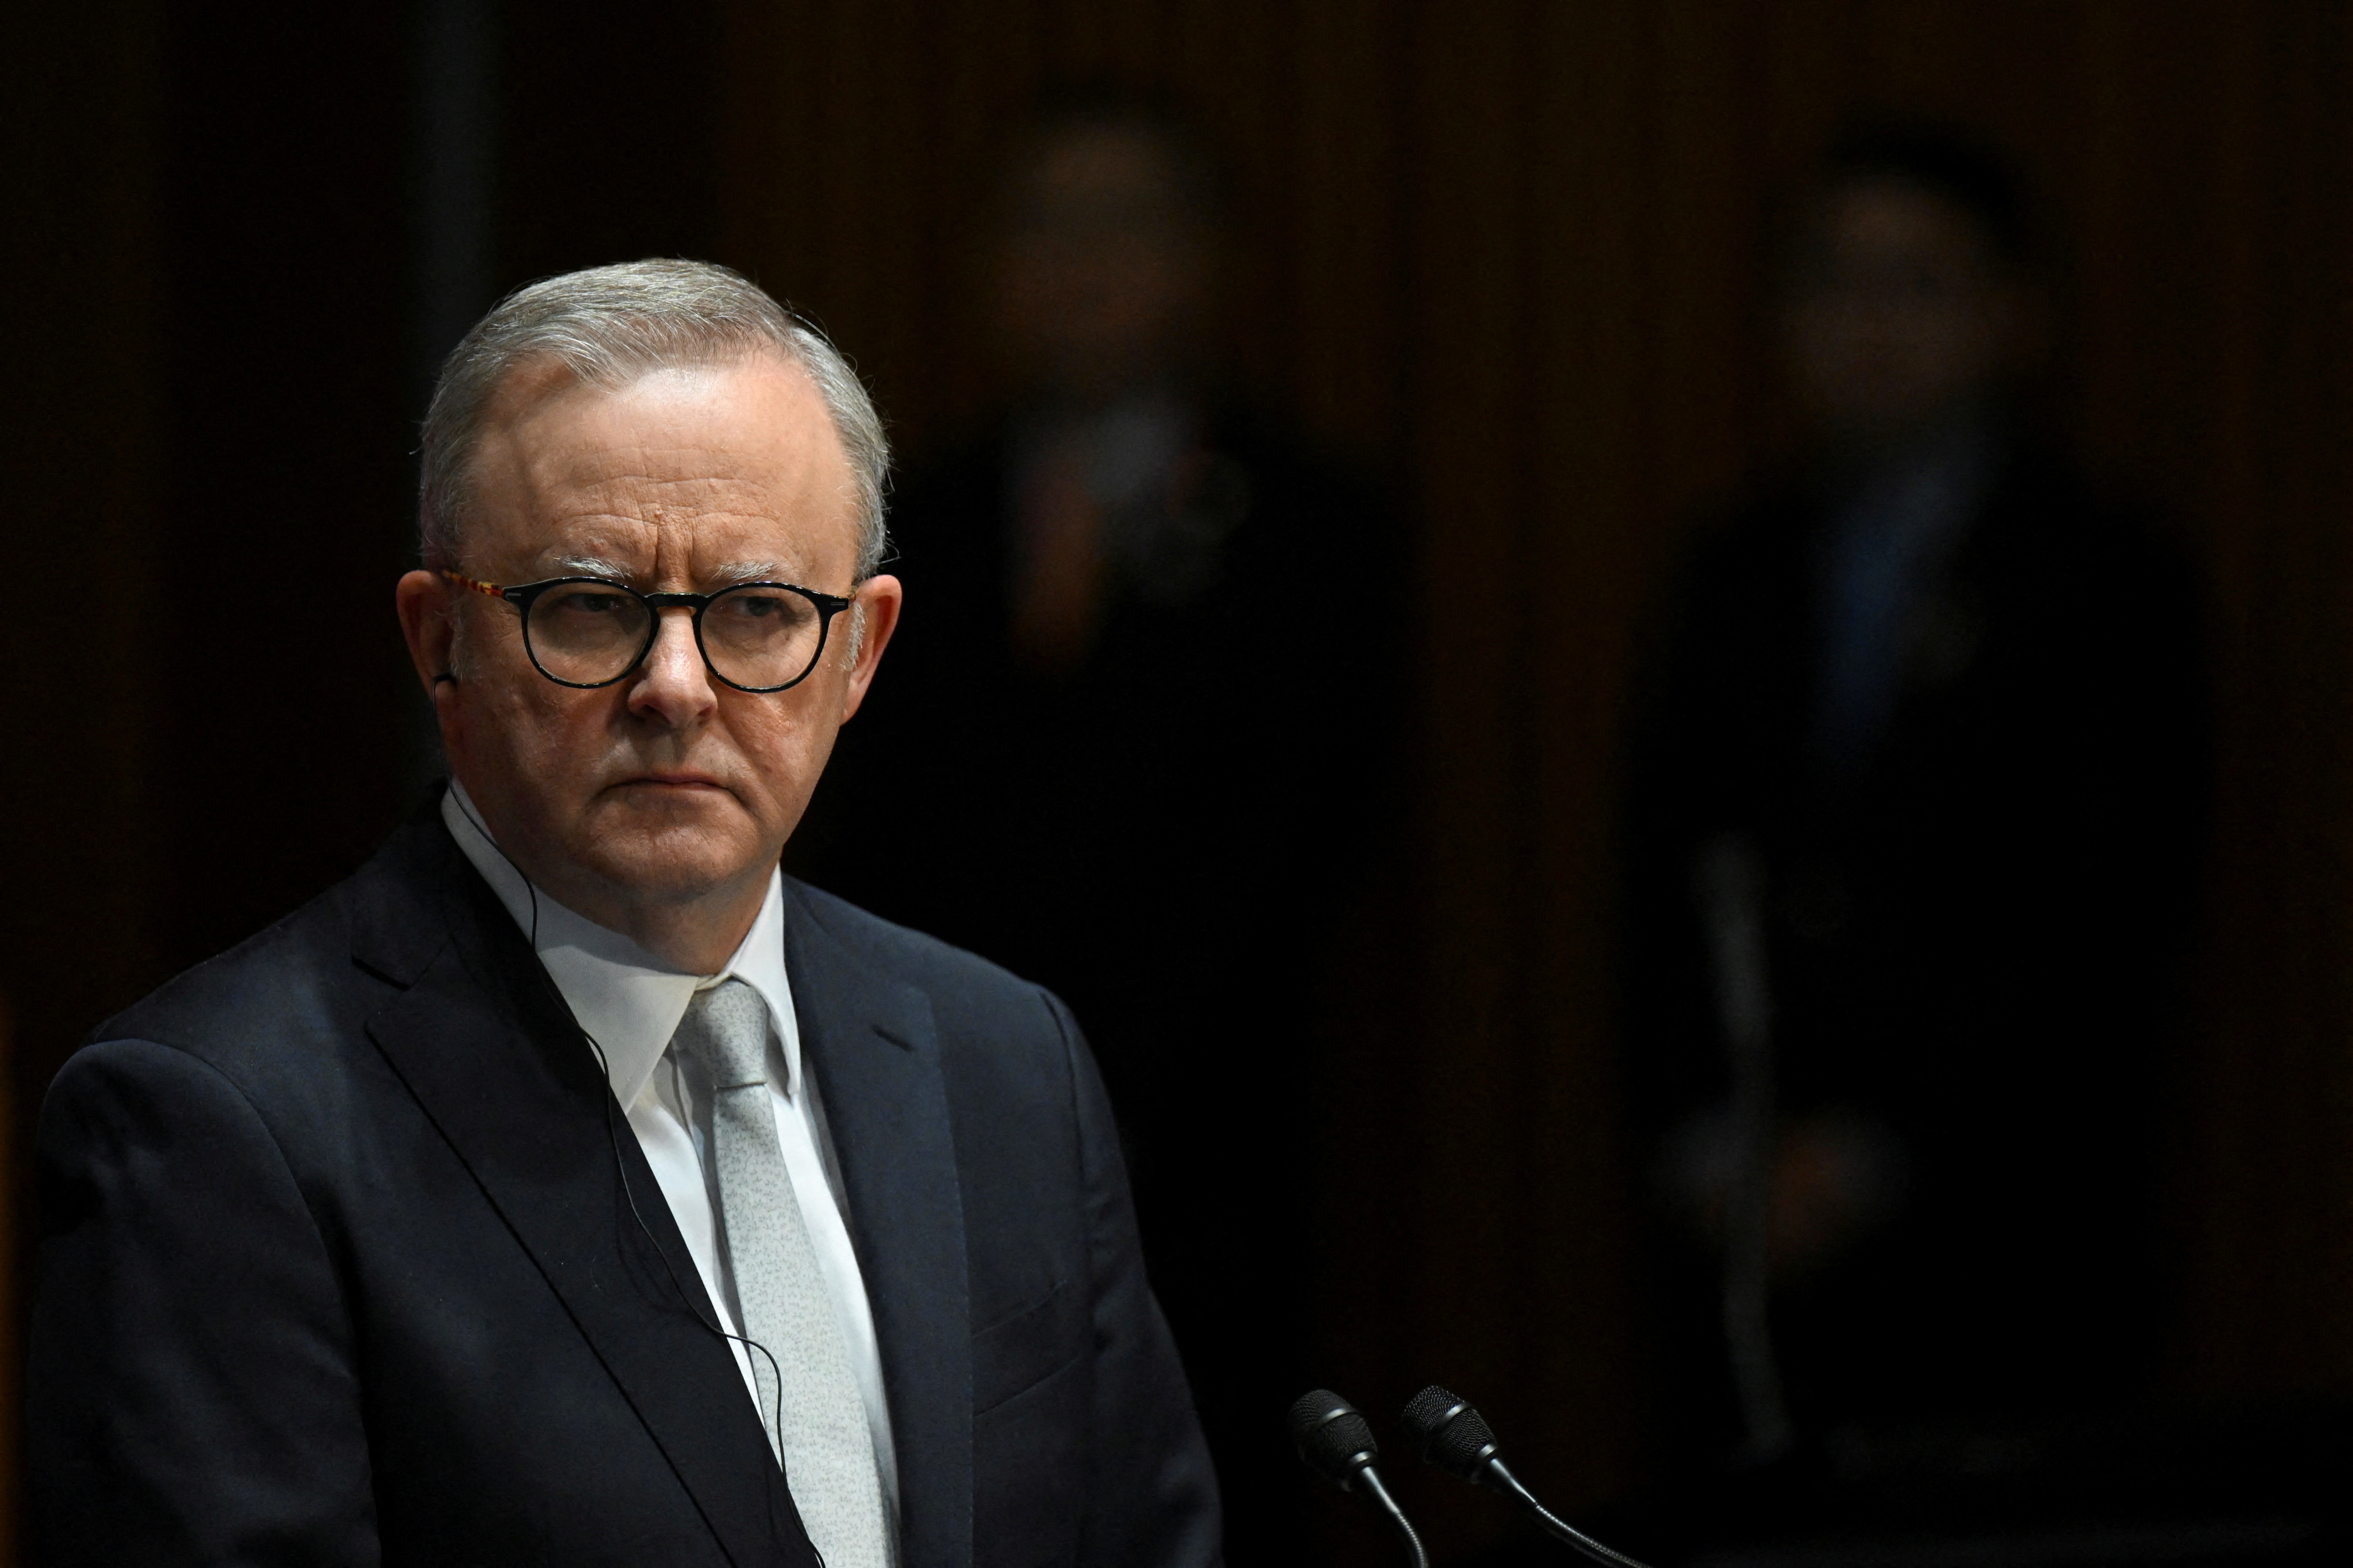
<point>726,1029</point>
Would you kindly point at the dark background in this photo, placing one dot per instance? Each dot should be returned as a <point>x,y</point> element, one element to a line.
<point>1504,253</point>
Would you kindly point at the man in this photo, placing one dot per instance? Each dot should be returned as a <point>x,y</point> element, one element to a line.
<point>1916,832</point>
<point>567,1186</point>
<point>1119,566</point>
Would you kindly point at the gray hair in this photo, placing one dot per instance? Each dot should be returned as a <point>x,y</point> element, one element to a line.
<point>607,326</point>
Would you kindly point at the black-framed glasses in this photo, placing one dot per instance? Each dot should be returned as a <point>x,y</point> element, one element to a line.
<point>592,631</point>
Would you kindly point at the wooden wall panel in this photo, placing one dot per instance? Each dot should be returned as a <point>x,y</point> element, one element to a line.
<point>1341,267</point>
<point>83,419</point>
<point>1505,252</point>
<point>1589,510</point>
<point>1508,252</point>
<point>1467,189</point>
<point>2279,1086</point>
<point>80,414</point>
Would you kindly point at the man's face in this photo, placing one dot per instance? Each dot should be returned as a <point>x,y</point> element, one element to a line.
<point>667,786</point>
<point>1895,311</point>
<point>1100,269</point>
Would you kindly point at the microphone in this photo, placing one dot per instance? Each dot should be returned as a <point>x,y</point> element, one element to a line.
<point>1336,1441</point>
<point>1457,1439</point>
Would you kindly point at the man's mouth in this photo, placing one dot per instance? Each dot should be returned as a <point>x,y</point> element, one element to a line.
<point>672,780</point>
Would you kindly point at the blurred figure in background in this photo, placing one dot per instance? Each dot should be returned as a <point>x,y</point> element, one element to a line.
<point>1133,745</point>
<point>1915,828</point>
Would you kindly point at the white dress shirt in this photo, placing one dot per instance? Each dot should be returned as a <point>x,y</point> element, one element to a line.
<point>630,1003</point>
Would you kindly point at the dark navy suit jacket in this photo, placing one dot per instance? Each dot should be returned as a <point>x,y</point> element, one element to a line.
<point>347,1256</point>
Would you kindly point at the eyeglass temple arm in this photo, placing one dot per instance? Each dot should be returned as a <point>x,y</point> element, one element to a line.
<point>492,589</point>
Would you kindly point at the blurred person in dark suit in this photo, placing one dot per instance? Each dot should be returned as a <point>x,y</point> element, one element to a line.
<point>1127,584</point>
<point>1915,829</point>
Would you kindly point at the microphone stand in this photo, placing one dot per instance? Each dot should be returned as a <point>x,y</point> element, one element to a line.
<point>1552,1524</point>
<point>1371,1481</point>
<point>1457,1439</point>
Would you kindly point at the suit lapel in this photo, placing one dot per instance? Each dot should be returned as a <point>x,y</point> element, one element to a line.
<point>870,1042</point>
<point>486,1045</point>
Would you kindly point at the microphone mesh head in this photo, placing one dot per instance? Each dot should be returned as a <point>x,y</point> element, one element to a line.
<point>1332,1436</point>
<point>1449,1433</point>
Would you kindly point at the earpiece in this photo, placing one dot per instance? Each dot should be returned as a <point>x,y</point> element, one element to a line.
<point>444,675</point>
<point>612,1130</point>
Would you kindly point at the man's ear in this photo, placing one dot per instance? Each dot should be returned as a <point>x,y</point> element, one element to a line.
<point>422,599</point>
<point>878,603</point>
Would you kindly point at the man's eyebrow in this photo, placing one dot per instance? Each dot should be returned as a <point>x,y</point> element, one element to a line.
<point>592,566</point>
<point>749,572</point>
<point>729,574</point>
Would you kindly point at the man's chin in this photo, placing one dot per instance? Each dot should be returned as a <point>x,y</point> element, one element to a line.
<point>668,848</point>
<point>669,871</point>
<point>648,807</point>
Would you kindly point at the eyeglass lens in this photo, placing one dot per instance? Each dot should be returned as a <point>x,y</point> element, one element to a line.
<point>590,634</point>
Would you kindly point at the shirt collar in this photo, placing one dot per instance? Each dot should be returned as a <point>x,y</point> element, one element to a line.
<point>627,1000</point>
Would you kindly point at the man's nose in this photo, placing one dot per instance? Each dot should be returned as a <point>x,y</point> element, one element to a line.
<point>673,684</point>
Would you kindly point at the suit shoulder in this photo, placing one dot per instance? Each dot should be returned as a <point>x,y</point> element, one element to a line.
<point>960,981</point>
<point>291,987</point>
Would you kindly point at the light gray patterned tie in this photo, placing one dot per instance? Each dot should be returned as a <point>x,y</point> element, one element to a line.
<point>826,1447</point>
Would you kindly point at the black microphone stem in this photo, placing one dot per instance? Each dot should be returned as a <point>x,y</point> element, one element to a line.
<point>1503,1481</point>
<point>1369,1479</point>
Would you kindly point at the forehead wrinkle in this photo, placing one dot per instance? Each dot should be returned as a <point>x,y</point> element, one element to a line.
<point>624,492</point>
<point>592,463</point>
<point>654,498</point>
